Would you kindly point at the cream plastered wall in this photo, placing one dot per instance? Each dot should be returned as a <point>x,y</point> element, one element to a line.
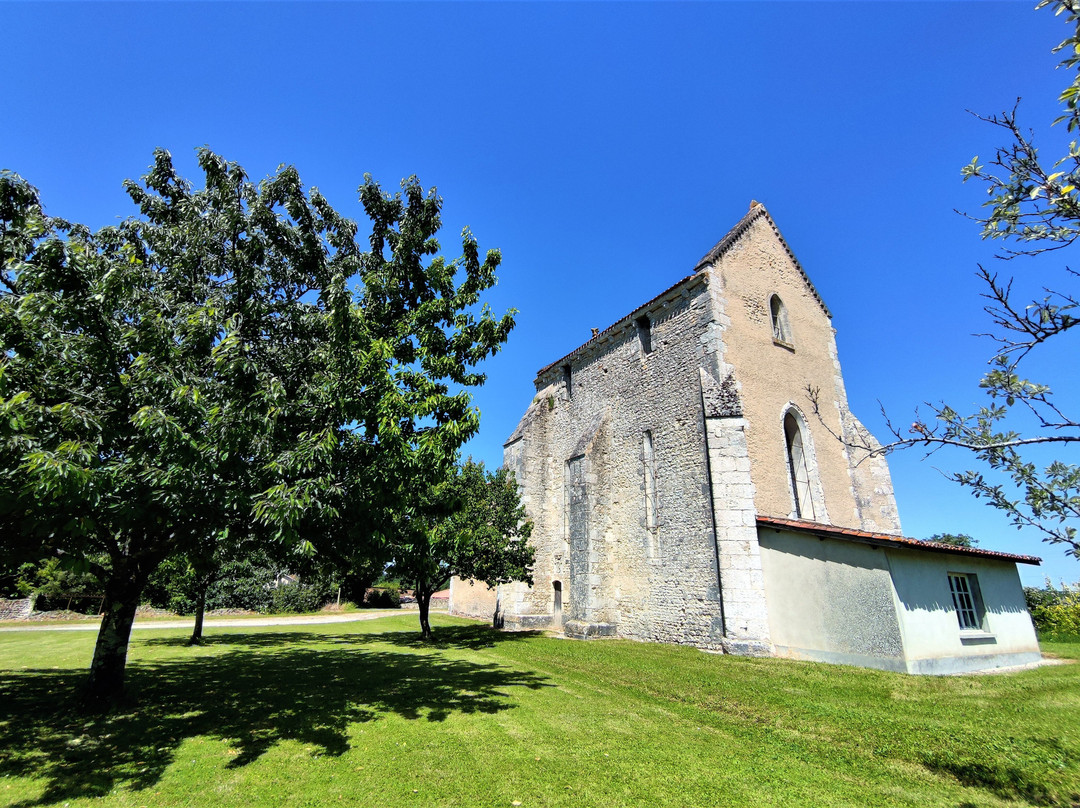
<point>773,377</point>
<point>472,599</point>
<point>830,601</point>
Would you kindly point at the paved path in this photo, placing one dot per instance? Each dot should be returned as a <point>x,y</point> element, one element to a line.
<point>222,622</point>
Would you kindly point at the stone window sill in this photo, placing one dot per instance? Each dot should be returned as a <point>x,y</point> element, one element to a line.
<point>977,638</point>
<point>783,344</point>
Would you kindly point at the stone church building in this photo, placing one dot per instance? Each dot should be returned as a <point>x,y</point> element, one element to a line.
<point>683,491</point>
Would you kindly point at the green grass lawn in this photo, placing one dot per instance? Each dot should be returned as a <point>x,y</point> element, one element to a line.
<point>365,714</point>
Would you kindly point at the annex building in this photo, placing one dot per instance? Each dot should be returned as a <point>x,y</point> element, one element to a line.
<point>683,491</point>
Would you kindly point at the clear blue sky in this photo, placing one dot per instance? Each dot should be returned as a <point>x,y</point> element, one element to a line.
<point>604,148</point>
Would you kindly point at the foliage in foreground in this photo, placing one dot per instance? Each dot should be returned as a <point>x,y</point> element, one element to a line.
<point>289,717</point>
<point>231,365</point>
<point>1032,204</point>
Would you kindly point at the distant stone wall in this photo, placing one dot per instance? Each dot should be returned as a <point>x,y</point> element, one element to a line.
<point>15,609</point>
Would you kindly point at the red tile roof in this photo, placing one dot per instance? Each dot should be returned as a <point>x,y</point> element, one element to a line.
<point>885,540</point>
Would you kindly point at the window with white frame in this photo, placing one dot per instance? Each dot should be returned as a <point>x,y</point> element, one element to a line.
<point>967,600</point>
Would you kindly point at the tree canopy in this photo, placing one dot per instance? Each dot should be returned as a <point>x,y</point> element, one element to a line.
<point>232,359</point>
<point>954,539</point>
<point>470,524</point>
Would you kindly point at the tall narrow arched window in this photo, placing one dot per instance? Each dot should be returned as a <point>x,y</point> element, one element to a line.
<point>649,462</point>
<point>652,523</point>
<point>781,331</point>
<point>644,332</point>
<point>799,469</point>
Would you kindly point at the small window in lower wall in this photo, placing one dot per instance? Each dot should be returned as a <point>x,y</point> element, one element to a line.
<point>967,599</point>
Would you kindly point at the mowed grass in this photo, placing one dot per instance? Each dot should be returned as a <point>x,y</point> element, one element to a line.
<point>366,714</point>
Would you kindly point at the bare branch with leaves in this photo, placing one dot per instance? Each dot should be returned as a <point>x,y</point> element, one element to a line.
<point>1035,206</point>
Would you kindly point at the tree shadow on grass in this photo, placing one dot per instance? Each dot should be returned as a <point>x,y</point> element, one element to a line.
<point>1007,782</point>
<point>257,690</point>
<point>473,638</point>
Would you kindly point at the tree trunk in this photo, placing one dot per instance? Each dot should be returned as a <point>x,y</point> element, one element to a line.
<point>106,682</point>
<point>200,612</point>
<point>423,600</point>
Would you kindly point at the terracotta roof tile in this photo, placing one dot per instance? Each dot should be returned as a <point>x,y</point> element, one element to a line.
<point>886,540</point>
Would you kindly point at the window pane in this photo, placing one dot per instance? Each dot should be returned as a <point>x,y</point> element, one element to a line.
<point>966,614</point>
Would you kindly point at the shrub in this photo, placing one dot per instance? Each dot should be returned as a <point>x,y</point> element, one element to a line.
<point>57,587</point>
<point>1046,596</point>
<point>247,584</point>
<point>299,597</point>
<point>384,597</point>
<point>1059,620</point>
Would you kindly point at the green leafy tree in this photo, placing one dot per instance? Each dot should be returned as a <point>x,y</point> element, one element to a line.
<point>954,539</point>
<point>206,366</point>
<point>469,525</point>
<point>1033,205</point>
<point>182,582</point>
<point>52,585</point>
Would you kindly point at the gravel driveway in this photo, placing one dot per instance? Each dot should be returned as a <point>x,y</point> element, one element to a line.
<point>212,622</point>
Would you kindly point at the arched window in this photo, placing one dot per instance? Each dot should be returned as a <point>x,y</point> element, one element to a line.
<point>781,331</point>
<point>799,469</point>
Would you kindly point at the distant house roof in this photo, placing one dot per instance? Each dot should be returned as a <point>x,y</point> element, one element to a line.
<point>757,210</point>
<point>885,540</point>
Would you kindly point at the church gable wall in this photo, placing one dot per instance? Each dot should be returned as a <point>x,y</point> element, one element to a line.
<point>773,370</point>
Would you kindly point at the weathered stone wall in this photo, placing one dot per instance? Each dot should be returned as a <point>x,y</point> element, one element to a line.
<point>745,613</point>
<point>15,609</point>
<point>579,456</point>
<point>656,539</point>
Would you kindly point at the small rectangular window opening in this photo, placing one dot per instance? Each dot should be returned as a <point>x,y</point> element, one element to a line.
<point>568,382</point>
<point>644,330</point>
<point>967,601</point>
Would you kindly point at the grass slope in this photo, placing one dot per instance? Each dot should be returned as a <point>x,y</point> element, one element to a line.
<point>364,713</point>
